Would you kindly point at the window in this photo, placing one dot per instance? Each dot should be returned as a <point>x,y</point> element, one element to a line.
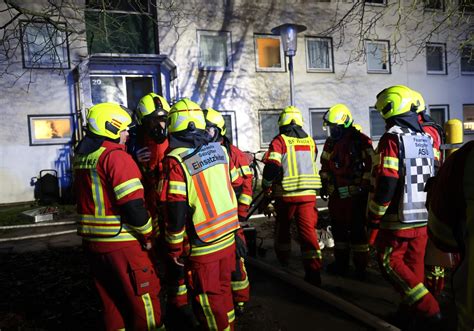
<point>269,53</point>
<point>318,132</point>
<point>376,2</point>
<point>466,6</point>
<point>468,115</point>
<point>378,56</point>
<point>50,129</point>
<point>125,27</point>
<point>214,50</point>
<point>268,120</point>
<point>467,60</point>
<point>377,124</point>
<point>123,89</point>
<point>319,57</point>
<point>44,45</point>
<point>434,4</point>
<point>439,113</point>
<point>436,59</point>
<point>231,127</point>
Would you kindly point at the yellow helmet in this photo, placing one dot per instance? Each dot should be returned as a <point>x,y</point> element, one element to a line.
<point>150,104</point>
<point>289,115</point>
<point>338,115</point>
<point>185,115</point>
<point>215,118</point>
<point>418,101</point>
<point>394,101</point>
<point>108,119</point>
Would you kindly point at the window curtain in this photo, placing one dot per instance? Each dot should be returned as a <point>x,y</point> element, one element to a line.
<point>318,51</point>
<point>213,51</point>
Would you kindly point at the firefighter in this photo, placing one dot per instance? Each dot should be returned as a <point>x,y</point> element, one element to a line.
<point>215,126</point>
<point>403,162</point>
<point>434,272</point>
<point>451,225</point>
<point>346,163</point>
<point>115,225</point>
<point>200,201</point>
<point>291,177</point>
<point>150,147</point>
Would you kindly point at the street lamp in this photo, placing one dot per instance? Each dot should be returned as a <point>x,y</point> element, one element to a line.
<point>288,34</point>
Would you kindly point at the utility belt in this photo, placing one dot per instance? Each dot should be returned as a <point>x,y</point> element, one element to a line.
<point>345,192</point>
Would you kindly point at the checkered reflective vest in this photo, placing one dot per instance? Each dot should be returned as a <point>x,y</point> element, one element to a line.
<point>416,151</point>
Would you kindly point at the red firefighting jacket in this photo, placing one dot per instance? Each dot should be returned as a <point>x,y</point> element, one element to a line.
<point>151,171</point>
<point>104,180</point>
<point>347,163</point>
<point>384,201</point>
<point>241,163</point>
<point>451,224</point>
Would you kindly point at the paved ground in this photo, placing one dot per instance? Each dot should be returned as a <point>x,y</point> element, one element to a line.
<point>45,286</point>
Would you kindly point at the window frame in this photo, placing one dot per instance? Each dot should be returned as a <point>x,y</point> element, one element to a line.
<point>260,111</point>
<point>430,9</point>
<point>229,66</point>
<point>24,46</point>
<point>446,110</point>
<point>234,125</point>
<point>384,4</point>
<point>331,55</point>
<point>467,73</point>
<point>372,136</point>
<point>445,59</point>
<point>282,53</point>
<point>320,110</point>
<point>50,141</point>
<point>377,71</point>
<point>466,132</point>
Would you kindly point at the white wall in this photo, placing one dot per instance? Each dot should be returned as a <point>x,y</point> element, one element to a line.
<point>245,90</point>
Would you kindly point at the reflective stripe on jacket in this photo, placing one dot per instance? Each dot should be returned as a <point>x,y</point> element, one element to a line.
<point>299,166</point>
<point>209,191</point>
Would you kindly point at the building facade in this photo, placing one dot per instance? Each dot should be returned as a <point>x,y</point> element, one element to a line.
<point>221,54</point>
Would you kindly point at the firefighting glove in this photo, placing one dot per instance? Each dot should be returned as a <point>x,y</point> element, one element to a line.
<point>240,247</point>
<point>323,193</point>
<point>143,155</point>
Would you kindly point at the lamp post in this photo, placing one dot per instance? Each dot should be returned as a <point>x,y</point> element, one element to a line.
<point>288,34</point>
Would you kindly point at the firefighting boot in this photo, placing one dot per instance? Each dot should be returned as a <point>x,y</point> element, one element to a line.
<point>239,308</point>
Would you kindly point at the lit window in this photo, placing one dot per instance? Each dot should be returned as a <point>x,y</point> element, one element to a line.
<point>377,124</point>
<point>318,132</point>
<point>439,113</point>
<point>468,115</point>
<point>467,60</point>
<point>319,54</point>
<point>50,129</point>
<point>378,56</point>
<point>214,50</point>
<point>44,45</point>
<point>268,120</point>
<point>124,27</point>
<point>436,59</point>
<point>434,4</point>
<point>269,53</point>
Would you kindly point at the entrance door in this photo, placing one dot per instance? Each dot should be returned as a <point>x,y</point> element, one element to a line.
<point>120,88</point>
